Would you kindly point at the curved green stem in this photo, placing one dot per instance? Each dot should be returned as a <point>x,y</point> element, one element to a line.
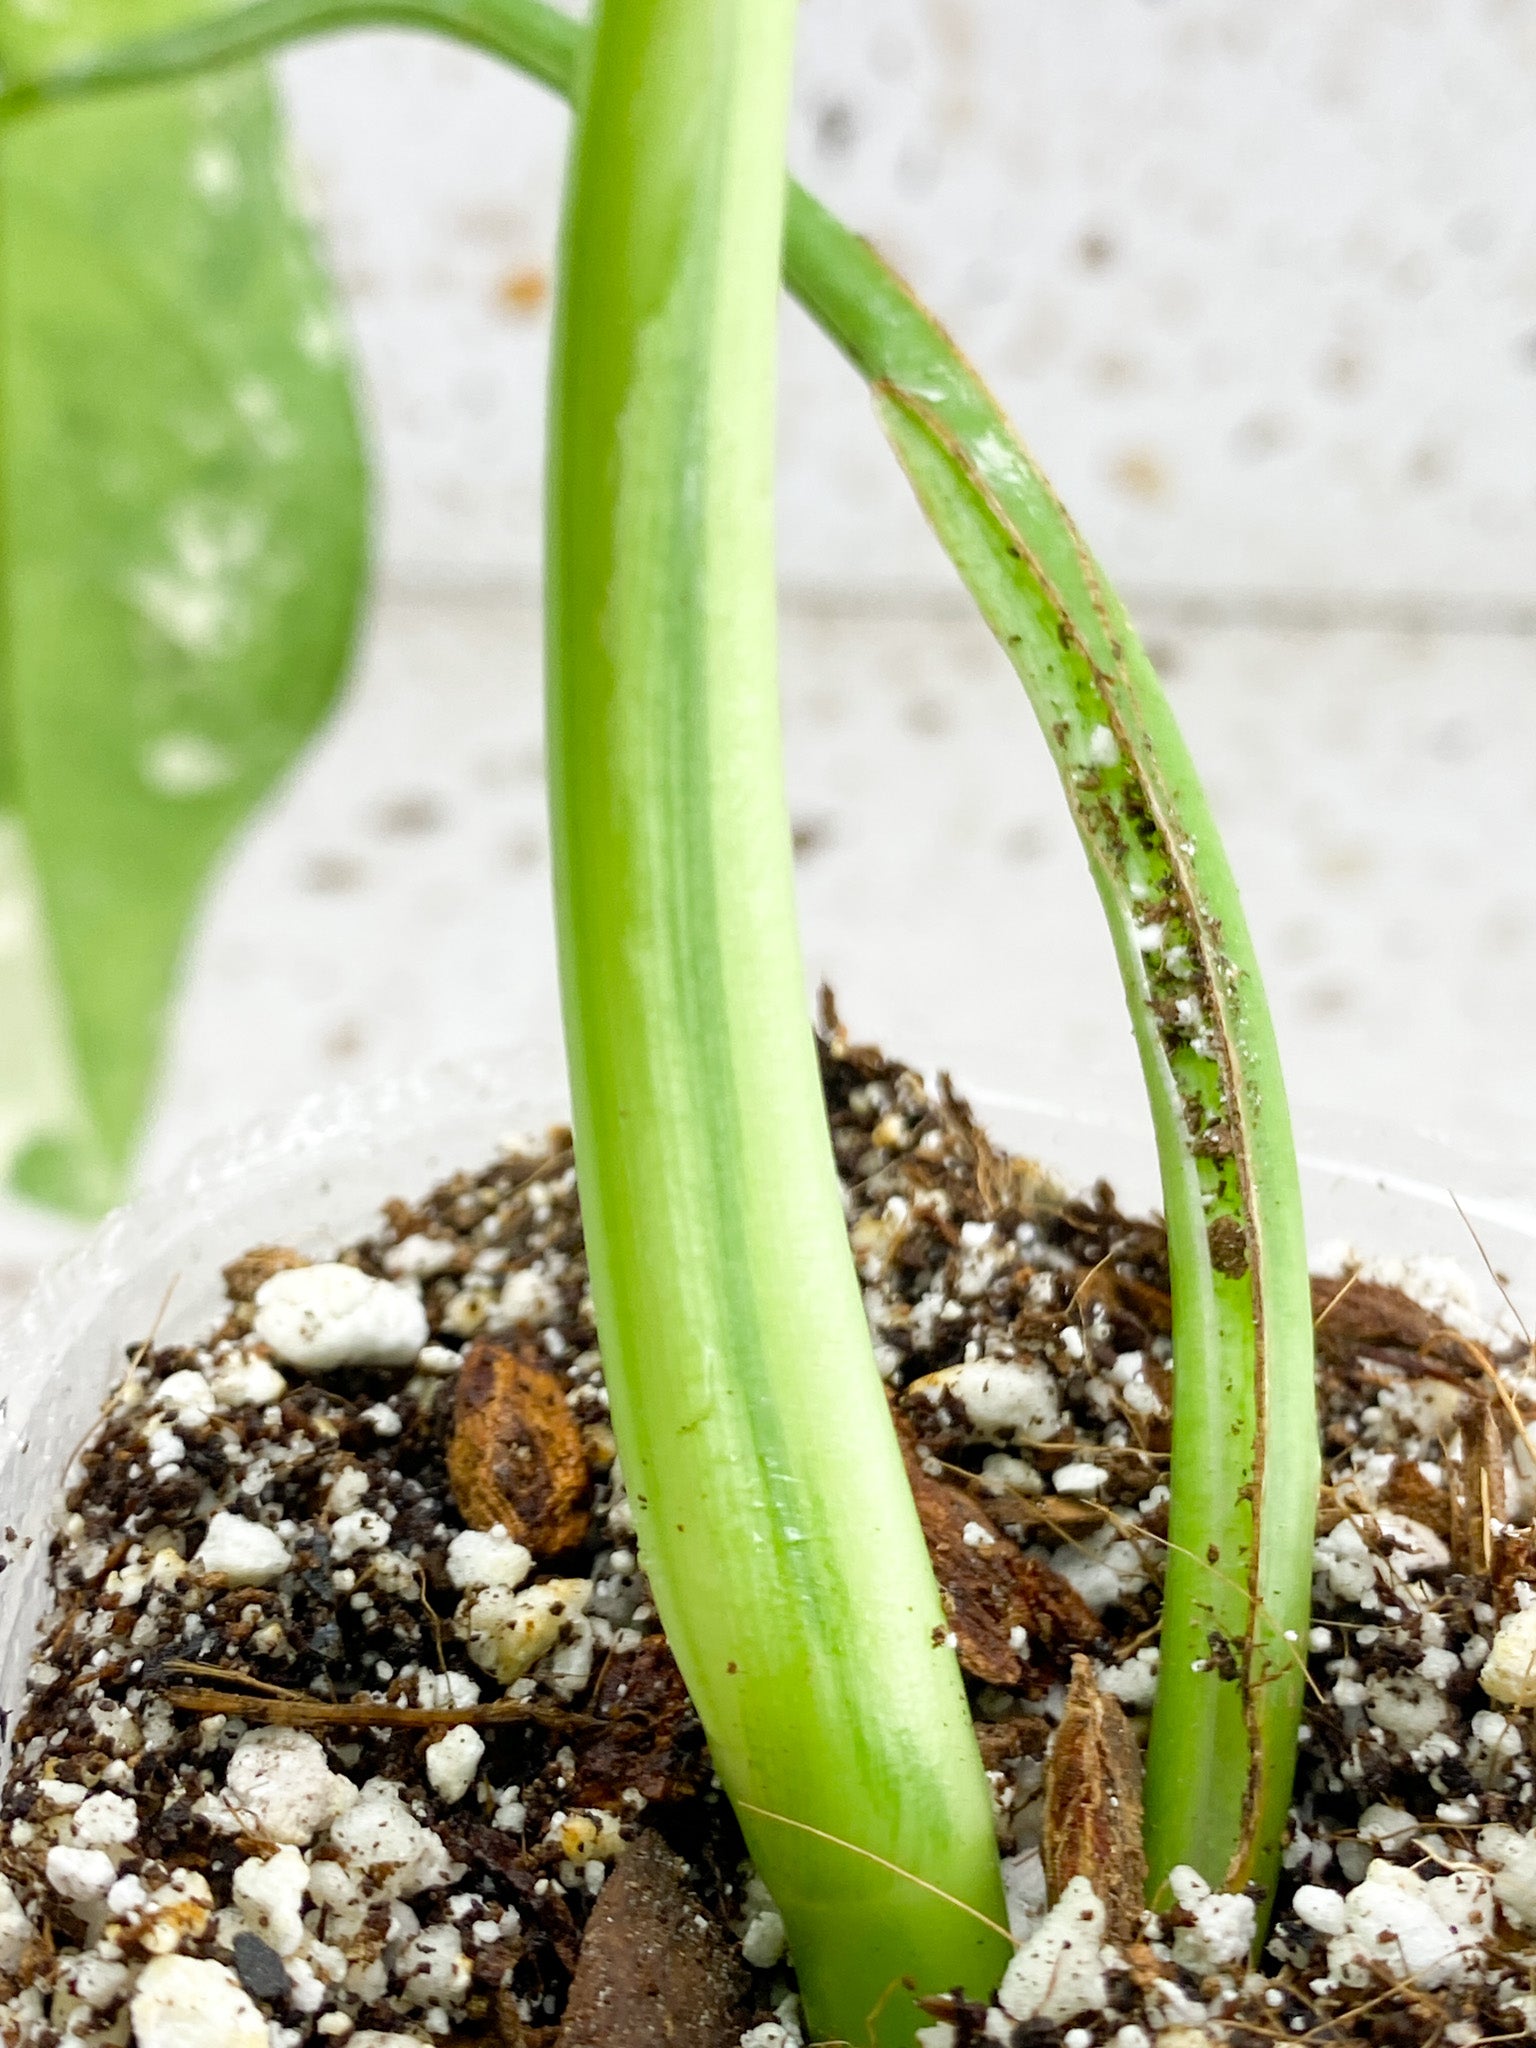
<point>1245,1454</point>
<point>773,1511</point>
<point>1245,1459</point>
<point>536,38</point>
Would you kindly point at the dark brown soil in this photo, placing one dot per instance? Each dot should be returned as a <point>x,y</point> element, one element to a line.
<point>580,1872</point>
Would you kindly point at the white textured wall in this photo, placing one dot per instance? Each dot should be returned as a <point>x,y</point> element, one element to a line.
<point>1258,283</point>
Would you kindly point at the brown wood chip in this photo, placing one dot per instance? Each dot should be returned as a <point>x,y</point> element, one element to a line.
<point>244,1275</point>
<point>1004,1743</point>
<point>1151,1305</point>
<point>1352,1315</point>
<point>1093,1804</point>
<point>516,1455</point>
<point>1007,1183</point>
<point>644,1734</point>
<point>990,1588</point>
<point>1054,1515</point>
<point>654,1971</point>
<point>1514,1568</point>
<point>1408,1492</point>
<point>513,2031</point>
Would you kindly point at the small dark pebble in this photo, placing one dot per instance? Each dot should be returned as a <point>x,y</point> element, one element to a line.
<point>260,1968</point>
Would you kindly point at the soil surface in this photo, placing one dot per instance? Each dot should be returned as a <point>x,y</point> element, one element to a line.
<point>353,1721</point>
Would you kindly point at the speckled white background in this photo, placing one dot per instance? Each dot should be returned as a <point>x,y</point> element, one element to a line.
<point>1259,286</point>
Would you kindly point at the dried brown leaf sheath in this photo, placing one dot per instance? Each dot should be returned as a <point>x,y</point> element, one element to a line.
<point>654,1972</point>
<point>516,1455</point>
<point>1477,1490</point>
<point>1093,1805</point>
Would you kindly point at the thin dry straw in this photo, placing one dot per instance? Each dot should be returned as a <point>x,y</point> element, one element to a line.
<point>804,1827</point>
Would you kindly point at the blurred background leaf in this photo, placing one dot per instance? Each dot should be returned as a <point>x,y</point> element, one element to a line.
<point>182,554</point>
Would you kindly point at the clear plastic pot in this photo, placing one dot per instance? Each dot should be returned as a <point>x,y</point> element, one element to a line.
<point>316,1178</point>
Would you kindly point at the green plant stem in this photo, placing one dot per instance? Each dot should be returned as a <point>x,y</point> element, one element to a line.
<point>1245,1459</point>
<point>536,38</point>
<point>1245,1462</point>
<point>774,1515</point>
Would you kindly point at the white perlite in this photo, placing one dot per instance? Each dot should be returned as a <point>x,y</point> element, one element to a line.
<point>446,1689</point>
<point>241,1379</point>
<point>244,1553</point>
<point>98,1981</point>
<point>59,1791</point>
<point>1345,1562</point>
<point>317,1318</point>
<point>1389,1827</point>
<point>1509,1671</point>
<point>1388,1549</point>
<point>1101,1568</point>
<point>527,1298</point>
<point>508,1632</point>
<point>15,1929</point>
<point>1224,1924</point>
<point>187,1393</point>
<point>1059,1971</point>
<point>180,2002</point>
<point>1024,1891</point>
<point>1317,1907</point>
<point>452,1762</point>
<point>763,1938</point>
<point>381,1836</point>
<point>270,1895</point>
<point>80,1875</point>
<point>358,1534</point>
<point>1406,1705</point>
<point>420,1258</point>
<point>1079,1478</point>
<point>433,1969</point>
<point>1001,1401</point>
<point>763,1943</point>
<point>280,1785</point>
<point>1514,1857</point>
<point>104,1821</point>
<point>1134,1683</point>
<point>1394,1920</point>
<point>348,1490</point>
<point>487,1557</point>
<point>159,1920</point>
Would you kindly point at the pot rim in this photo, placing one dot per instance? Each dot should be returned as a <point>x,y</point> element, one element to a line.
<point>1412,1163</point>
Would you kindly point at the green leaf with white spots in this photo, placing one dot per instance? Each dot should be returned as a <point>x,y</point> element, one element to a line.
<point>182,529</point>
